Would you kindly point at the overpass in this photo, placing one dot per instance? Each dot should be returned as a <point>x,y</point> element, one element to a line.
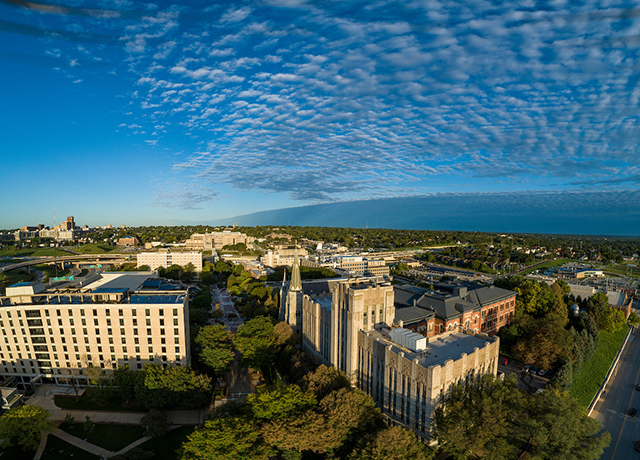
<point>55,259</point>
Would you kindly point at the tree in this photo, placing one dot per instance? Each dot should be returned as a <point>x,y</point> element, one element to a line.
<point>226,439</point>
<point>392,443</point>
<point>283,332</point>
<point>256,341</point>
<point>559,427</point>
<point>548,343</point>
<point>215,347</point>
<point>23,425</point>
<point>307,431</point>
<point>351,412</point>
<point>155,423</point>
<point>324,380</point>
<point>633,318</point>
<point>479,417</point>
<point>280,403</point>
<point>126,381</point>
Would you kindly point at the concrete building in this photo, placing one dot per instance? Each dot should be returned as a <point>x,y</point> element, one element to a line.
<point>361,266</point>
<point>165,258</point>
<point>409,385</point>
<point>282,256</point>
<point>350,323</point>
<point>119,319</point>
<point>217,240</point>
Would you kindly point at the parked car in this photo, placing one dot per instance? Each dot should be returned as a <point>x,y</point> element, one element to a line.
<point>526,368</point>
<point>504,361</point>
<point>540,390</point>
<point>534,370</point>
<point>638,446</point>
<point>542,372</point>
<point>633,411</point>
<point>638,388</point>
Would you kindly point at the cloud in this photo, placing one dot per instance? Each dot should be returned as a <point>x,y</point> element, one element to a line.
<point>327,101</point>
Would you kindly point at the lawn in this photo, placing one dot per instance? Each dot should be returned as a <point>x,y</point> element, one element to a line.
<point>33,252</point>
<point>49,271</point>
<point>115,405</point>
<point>548,264</point>
<point>57,449</point>
<point>165,448</point>
<point>13,277</point>
<point>586,384</point>
<point>623,269</point>
<point>96,248</point>
<point>110,437</point>
<point>16,453</point>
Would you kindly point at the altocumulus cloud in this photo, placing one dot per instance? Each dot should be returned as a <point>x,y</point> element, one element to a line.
<point>335,100</point>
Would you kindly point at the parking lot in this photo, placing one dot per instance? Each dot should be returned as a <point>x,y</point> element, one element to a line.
<point>527,382</point>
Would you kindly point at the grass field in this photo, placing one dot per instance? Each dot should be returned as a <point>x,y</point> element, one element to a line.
<point>110,437</point>
<point>165,448</point>
<point>13,277</point>
<point>57,449</point>
<point>586,384</point>
<point>96,248</point>
<point>33,252</point>
<point>548,264</point>
<point>623,269</point>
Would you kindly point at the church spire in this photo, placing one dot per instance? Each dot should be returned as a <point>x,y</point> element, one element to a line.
<point>296,283</point>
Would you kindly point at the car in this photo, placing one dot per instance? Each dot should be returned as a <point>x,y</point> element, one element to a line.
<point>638,387</point>
<point>540,390</point>
<point>638,446</point>
<point>633,411</point>
<point>542,372</point>
<point>534,370</point>
<point>504,361</point>
<point>526,368</point>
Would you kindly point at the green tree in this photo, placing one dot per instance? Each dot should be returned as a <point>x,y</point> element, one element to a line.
<point>559,427</point>
<point>309,431</point>
<point>22,426</point>
<point>324,380</point>
<point>393,443</point>
<point>257,342</point>
<point>477,419</point>
<point>280,403</point>
<point>216,345</point>
<point>351,412</point>
<point>548,343</point>
<point>226,439</point>
<point>155,423</point>
<point>126,381</point>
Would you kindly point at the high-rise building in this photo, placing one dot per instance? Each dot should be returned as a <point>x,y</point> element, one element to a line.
<point>165,258</point>
<point>120,319</point>
<point>217,240</point>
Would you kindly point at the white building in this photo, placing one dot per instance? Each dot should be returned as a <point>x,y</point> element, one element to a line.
<point>166,258</point>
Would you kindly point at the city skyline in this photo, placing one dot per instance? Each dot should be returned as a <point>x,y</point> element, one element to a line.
<point>169,114</point>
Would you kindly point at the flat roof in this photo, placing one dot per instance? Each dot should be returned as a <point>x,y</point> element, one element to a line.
<point>132,281</point>
<point>437,351</point>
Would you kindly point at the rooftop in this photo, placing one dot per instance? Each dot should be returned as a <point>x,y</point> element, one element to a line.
<point>438,351</point>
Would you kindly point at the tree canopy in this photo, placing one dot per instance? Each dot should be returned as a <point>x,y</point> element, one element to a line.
<point>23,425</point>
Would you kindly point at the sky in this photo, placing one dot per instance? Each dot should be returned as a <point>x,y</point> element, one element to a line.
<point>169,113</point>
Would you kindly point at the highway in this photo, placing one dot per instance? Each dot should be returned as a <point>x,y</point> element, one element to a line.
<point>621,395</point>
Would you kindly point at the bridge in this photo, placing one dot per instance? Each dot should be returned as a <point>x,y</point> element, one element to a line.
<point>56,259</point>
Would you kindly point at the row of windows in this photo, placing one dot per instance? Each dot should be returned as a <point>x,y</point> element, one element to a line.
<point>36,313</point>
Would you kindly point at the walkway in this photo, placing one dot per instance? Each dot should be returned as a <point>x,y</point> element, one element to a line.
<point>44,398</point>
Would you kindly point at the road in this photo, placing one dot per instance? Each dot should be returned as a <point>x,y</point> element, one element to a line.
<point>620,396</point>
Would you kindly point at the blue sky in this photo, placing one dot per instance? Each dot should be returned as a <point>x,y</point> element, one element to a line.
<point>167,113</point>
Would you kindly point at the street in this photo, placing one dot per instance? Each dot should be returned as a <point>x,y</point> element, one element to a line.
<point>620,396</point>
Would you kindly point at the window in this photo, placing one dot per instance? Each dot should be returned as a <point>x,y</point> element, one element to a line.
<point>148,322</point>
<point>148,331</point>
<point>150,349</point>
<point>97,331</point>
<point>121,322</point>
<point>110,339</point>
<point>164,349</point>
<point>73,330</point>
<point>147,312</point>
<point>86,340</point>
<point>135,340</point>
<point>87,348</point>
<point>107,312</point>
<point>58,312</point>
<point>175,331</point>
<point>150,357</point>
<point>84,330</point>
<point>133,312</point>
<point>177,349</point>
<point>162,341</point>
<point>82,312</point>
<point>135,322</point>
<point>70,312</point>
<point>162,322</point>
<point>177,340</point>
<point>175,312</point>
<point>95,312</point>
<point>122,331</point>
<point>149,341</point>
<point>137,349</point>
<point>108,322</point>
<point>162,331</point>
<point>61,331</point>
<point>84,322</point>
<point>161,312</point>
<point>95,322</point>
<point>175,321</point>
<point>99,349</point>
<point>177,357</point>
<point>59,322</point>
<point>135,331</point>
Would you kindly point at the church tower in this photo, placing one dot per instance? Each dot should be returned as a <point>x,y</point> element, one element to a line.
<point>291,308</point>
